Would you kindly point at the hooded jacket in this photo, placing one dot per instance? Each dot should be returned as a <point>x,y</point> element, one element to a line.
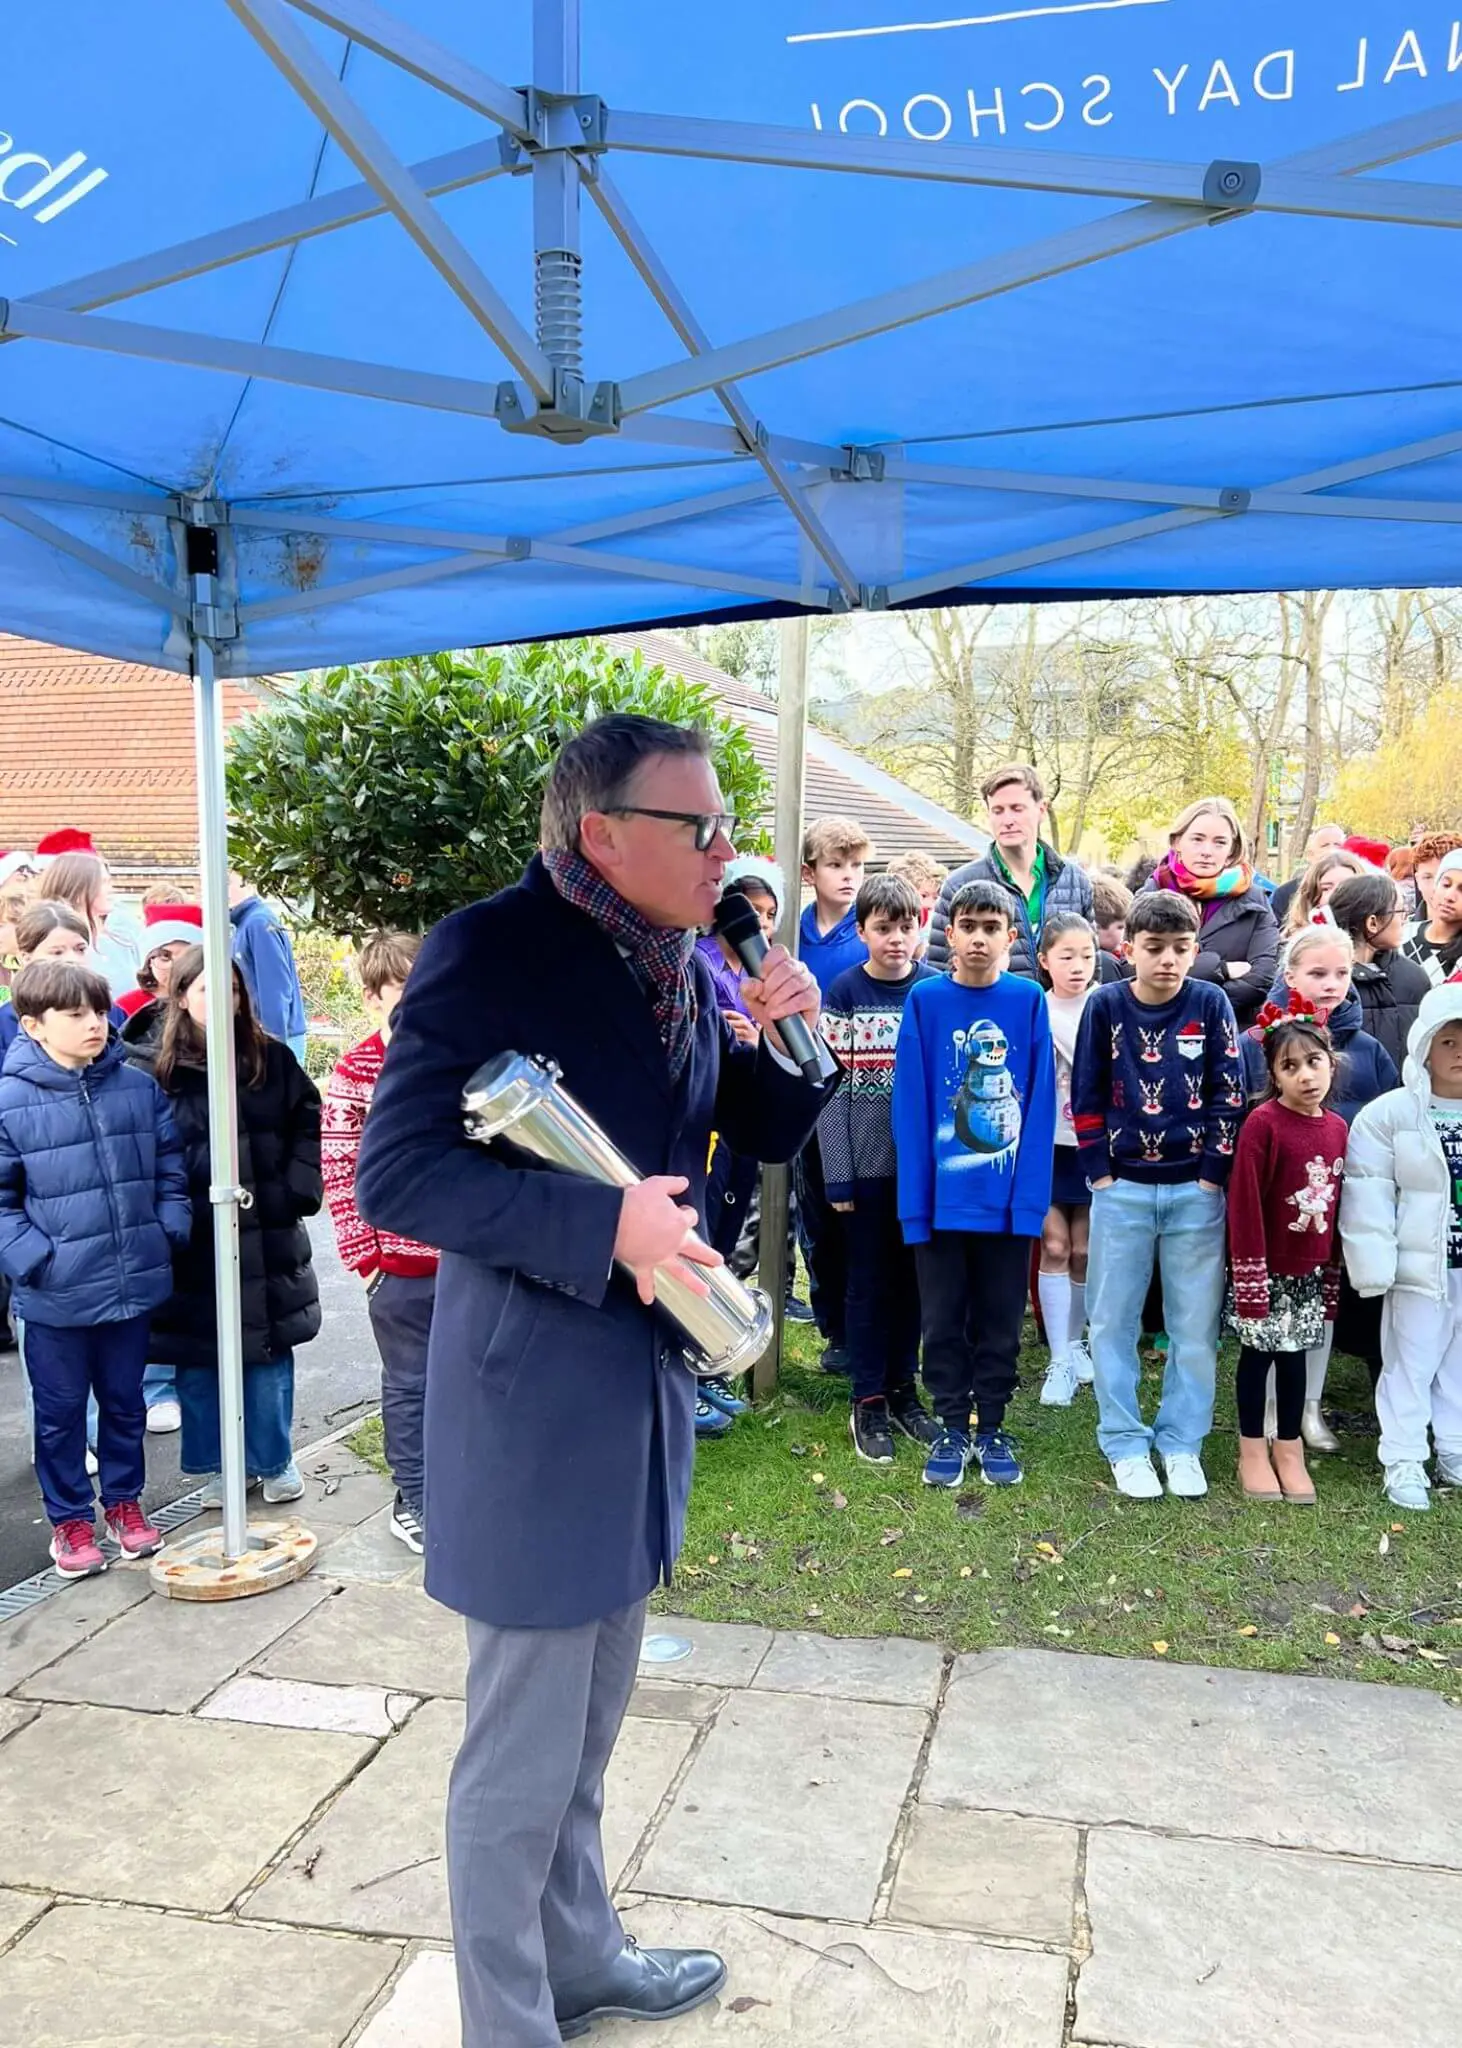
<point>92,1188</point>
<point>266,960</point>
<point>1396,1204</point>
<point>1068,887</point>
<point>829,954</point>
<point>1364,1068</point>
<point>1390,988</point>
<point>279,1163</point>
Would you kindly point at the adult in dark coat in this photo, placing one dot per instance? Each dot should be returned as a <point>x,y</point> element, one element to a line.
<point>559,1412</point>
<point>1238,942</point>
<point>279,1163</point>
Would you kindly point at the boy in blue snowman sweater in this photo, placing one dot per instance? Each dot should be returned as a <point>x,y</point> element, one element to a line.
<point>974,1122</point>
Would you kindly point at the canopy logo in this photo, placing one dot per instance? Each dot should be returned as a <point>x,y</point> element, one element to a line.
<point>40,190</point>
<point>1202,82</point>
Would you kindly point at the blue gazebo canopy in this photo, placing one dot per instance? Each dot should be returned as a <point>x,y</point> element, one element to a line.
<point>458,324</point>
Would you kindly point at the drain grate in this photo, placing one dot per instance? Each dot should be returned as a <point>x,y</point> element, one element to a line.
<point>30,1592</point>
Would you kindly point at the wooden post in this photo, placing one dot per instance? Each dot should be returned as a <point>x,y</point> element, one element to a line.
<point>776,1180</point>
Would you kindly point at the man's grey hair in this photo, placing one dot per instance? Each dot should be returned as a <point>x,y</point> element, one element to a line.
<point>595,769</point>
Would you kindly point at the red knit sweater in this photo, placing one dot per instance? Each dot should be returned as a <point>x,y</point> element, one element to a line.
<point>363,1248</point>
<point>1283,1200</point>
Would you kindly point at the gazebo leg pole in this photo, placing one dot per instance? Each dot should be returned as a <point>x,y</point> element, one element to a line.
<point>776,1180</point>
<point>223,1130</point>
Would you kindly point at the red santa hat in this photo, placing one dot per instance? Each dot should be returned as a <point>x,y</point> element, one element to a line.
<point>65,840</point>
<point>170,924</point>
<point>15,863</point>
<point>1373,851</point>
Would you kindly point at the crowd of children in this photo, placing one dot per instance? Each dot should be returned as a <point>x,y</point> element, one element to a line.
<point>1112,1102</point>
<point>1171,1097</point>
<point>106,1218</point>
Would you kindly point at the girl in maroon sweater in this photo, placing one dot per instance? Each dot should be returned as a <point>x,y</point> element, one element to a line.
<point>1283,1201</point>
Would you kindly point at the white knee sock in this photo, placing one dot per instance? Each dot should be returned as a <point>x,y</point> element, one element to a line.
<point>1317,1364</point>
<point>1054,1293</point>
<point>1077,1325</point>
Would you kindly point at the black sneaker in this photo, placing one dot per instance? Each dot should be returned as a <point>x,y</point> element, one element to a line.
<point>836,1358</point>
<point>797,1311</point>
<point>908,1414</point>
<point>868,1426</point>
<point>405,1524</point>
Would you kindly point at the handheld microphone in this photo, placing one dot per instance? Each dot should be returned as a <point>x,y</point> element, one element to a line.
<point>738,924</point>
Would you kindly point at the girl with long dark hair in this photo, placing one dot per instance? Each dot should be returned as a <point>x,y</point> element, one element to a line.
<point>279,1165</point>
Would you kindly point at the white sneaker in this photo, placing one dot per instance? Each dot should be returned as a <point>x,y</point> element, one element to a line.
<point>1449,1469</point>
<point>1407,1486</point>
<point>163,1417</point>
<point>92,1468</point>
<point>1081,1358</point>
<point>1058,1390</point>
<point>1136,1478</point>
<point>1185,1476</point>
<point>286,1485</point>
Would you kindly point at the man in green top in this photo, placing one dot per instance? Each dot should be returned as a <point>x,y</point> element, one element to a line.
<point>1038,881</point>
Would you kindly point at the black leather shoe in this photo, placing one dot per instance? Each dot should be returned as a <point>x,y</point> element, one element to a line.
<point>643,1984</point>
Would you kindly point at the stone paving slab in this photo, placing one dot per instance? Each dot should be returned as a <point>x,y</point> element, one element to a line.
<point>355,1497</point>
<point>723,1652</point>
<point>850,1987</point>
<point>1366,1770</point>
<point>14,1716</point>
<point>1217,1945</point>
<point>89,1975</point>
<point>369,1552</point>
<point>791,1804</point>
<point>40,1634</point>
<point>422,2010</point>
<point>292,1703</point>
<point>899,1673</point>
<point>17,1910</point>
<point>167,1655</point>
<point>180,1812</point>
<point>798,1983</point>
<point>375,1861</point>
<point>989,1873</point>
<point>652,1700</point>
<point>376,1635</point>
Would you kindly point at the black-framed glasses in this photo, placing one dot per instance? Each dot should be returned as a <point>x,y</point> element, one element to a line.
<point>707,824</point>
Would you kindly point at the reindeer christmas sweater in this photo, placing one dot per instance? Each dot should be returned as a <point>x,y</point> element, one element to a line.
<point>1157,1089</point>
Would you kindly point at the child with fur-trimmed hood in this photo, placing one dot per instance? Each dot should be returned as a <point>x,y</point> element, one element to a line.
<point>1401,1223</point>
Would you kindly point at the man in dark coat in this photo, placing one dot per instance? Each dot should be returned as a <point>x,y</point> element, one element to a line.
<point>559,1413</point>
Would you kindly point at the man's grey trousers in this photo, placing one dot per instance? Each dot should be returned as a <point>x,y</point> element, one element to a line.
<point>531,1913</point>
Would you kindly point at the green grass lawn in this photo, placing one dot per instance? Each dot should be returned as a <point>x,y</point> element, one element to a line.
<point>788,1529</point>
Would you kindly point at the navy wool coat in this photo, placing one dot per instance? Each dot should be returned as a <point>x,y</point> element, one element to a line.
<point>559,1415</point>
<point>93,1190</point>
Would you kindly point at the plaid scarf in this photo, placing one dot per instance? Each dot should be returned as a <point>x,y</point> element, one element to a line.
<point>658,955</point>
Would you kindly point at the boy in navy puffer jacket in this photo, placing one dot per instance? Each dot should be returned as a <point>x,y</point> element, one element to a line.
<point>93,1195</point>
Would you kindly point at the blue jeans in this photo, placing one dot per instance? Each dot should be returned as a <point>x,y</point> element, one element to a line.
<point>268,1418</point>
<point>1182,1227</point>
<point>64,1366</point>
<point>159,1383</point>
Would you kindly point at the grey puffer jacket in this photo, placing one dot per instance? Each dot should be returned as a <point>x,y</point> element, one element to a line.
<point>1068,887</point>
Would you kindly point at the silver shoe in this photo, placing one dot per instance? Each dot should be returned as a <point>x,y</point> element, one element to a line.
<point>1316,1431</point>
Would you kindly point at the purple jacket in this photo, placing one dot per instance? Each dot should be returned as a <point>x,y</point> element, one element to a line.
<point>727,978</point>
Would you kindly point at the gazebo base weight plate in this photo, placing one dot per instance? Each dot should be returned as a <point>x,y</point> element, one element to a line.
<point>196,1569</point>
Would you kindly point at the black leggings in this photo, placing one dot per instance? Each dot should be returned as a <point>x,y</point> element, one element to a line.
<point>1289,1390</point>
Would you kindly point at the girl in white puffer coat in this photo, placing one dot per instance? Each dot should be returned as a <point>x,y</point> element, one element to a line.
<point>1401,1225</point>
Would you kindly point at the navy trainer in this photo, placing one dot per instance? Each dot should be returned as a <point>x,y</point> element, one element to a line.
<point>999,1465</point>
<point>949,1454</point>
